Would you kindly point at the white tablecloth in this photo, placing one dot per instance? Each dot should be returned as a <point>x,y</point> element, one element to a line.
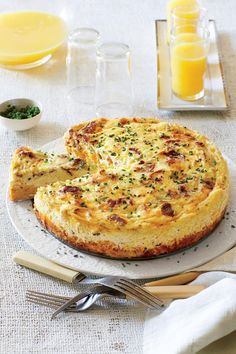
<point>25,328</point>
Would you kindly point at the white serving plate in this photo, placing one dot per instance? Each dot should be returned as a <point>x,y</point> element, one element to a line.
<point>215,99</point>
<point>221,240</point>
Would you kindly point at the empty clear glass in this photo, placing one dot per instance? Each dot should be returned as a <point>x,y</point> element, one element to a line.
<point>113,94</point>
<point>81,65</point>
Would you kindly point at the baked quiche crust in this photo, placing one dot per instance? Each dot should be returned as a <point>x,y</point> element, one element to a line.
<point>153,188</point>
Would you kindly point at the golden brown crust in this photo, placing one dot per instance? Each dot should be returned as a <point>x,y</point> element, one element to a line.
<point>107,248</point>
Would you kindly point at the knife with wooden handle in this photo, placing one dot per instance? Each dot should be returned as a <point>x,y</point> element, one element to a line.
<point>48,267</point>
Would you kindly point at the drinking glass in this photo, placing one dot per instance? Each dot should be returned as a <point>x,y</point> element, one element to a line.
<point>171,4</point>
<point>189,63</point>
<point>187,19</point>
<point>113,94</point>
<point>81,65</point>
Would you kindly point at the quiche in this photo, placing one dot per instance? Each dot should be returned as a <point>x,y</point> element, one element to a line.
<point>153,188</point>
<point>31,169</point>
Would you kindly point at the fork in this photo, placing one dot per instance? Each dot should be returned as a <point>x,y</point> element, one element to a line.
<point>123,285</point>
<point>86,301</point>
<point>131,289</point>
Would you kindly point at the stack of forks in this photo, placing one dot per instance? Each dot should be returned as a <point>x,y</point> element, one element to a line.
<point>123,288</point>
<point>110,286</point>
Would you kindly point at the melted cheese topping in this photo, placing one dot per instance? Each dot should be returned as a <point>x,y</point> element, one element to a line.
<point>146,174</point>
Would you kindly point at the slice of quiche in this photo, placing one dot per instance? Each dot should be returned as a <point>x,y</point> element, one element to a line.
<point>31,169</point>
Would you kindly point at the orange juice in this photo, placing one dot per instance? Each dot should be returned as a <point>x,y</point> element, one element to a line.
<point>29,36</point>
<point>188,65</point>
<point>191,12</point>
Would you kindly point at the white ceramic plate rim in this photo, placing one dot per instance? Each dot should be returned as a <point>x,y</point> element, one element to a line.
<point>221,240</point>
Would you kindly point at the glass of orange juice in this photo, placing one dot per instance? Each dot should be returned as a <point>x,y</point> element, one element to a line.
<point>171,5</point>
<point>189,63</point>
<point>187,18</point>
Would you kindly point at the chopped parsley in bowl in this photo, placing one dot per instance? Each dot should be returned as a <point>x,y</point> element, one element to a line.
<point>20,113</point>
<point>13,112</point>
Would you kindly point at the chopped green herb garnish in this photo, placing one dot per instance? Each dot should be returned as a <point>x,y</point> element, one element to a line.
<point>26,112</point>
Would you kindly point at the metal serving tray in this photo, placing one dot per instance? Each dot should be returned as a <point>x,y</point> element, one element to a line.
<point>215,99</point>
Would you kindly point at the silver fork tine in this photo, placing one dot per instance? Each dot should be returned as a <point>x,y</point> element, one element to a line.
<point>49,300</point>
<point>133,294</point>
<point>52,306</point>
<point>83,300</point>
<point>40,294</point>
<point>38,302</point>
<point>144,292</point>
<point>139,295</point>
<point>132,288</point>
<point>45,300</point>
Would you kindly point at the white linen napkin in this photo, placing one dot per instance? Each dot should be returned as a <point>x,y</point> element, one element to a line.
<point>189,325</point>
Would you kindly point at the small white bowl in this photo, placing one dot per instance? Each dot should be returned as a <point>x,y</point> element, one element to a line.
<point>20,124</point>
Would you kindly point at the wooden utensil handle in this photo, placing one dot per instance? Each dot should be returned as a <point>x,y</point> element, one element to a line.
<point>175,291</point>
<point>179,279</point>
<point>45,266</point>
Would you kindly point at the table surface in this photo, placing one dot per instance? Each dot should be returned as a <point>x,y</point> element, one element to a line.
<point>25,328</point>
